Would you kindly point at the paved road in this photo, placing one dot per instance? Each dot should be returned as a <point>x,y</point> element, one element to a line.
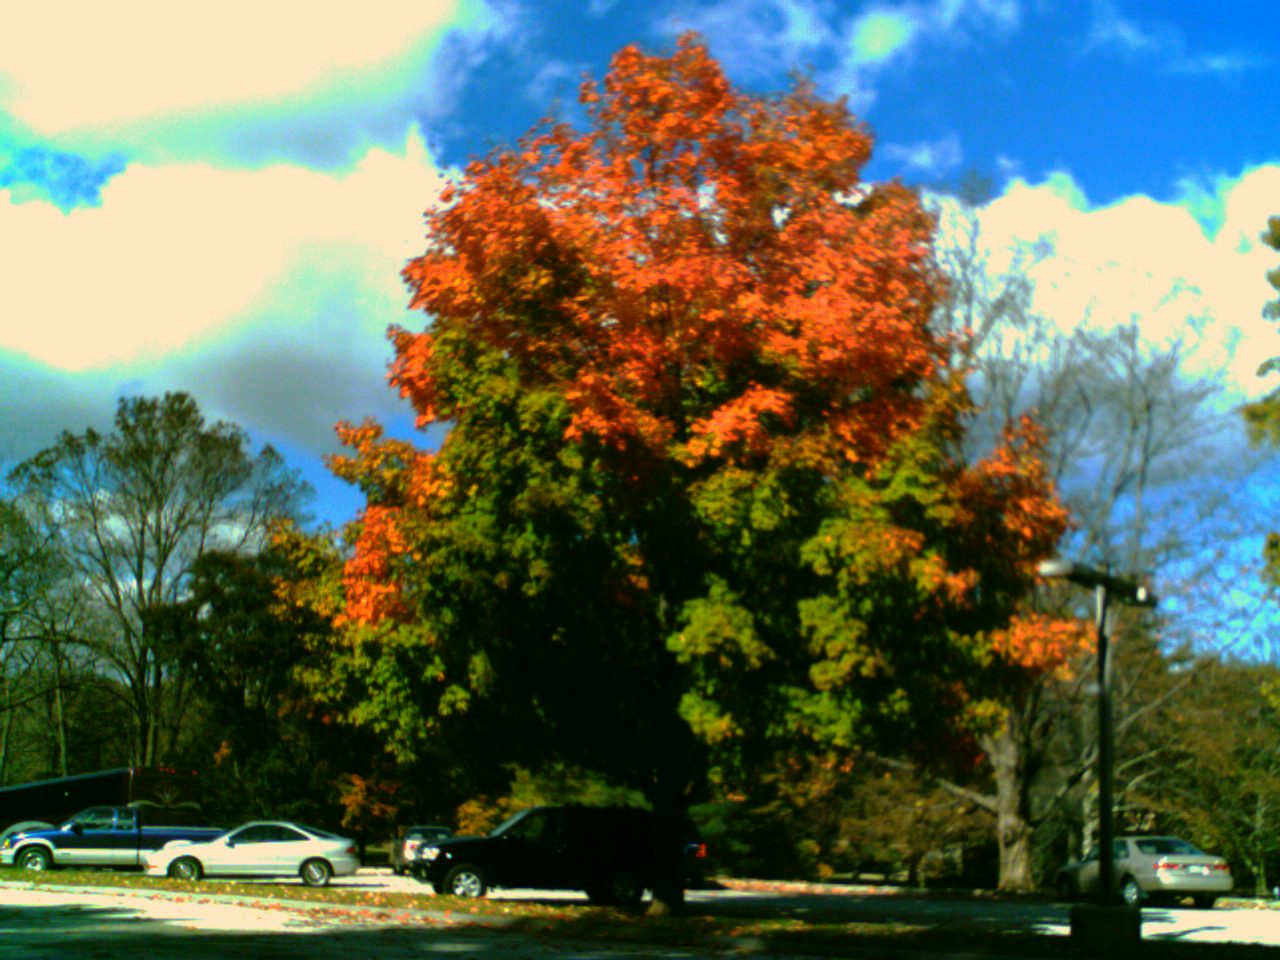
<point>60,925</point>
<point>36,924</point>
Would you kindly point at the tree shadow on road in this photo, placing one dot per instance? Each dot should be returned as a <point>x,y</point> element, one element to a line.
<point>861,926</point>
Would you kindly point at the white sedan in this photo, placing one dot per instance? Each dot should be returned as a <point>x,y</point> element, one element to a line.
<point>260,849</point>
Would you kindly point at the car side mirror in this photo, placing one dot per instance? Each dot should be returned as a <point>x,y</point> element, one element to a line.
<point>77,829</point>
<point>229,842</point>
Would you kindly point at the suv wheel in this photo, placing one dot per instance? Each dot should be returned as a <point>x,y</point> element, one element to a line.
<point>616,891</point>
<point>465,880</point>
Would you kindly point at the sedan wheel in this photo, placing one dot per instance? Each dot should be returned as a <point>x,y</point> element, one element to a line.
<point>1131,892</point>
<point>185,868</point>
<point>316,873</point>
<point>465,881</point>
<point>37,858</point>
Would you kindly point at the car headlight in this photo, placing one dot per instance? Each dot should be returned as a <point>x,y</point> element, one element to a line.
<point>428,853</point>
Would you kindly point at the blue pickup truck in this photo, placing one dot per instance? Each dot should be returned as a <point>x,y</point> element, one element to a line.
<point>98,837</point>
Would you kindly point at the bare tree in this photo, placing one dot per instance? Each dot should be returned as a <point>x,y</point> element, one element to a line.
<point>1144,455</point>
<point>130,511</point>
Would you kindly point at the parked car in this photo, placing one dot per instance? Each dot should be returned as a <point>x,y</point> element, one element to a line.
<point>260,849</point>
<point>611,853</point>
<point>1152,868</point>
<point>405,848</point>
<point>116,837</point>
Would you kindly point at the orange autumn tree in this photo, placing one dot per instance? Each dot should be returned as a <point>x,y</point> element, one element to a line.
<point>694,504</point>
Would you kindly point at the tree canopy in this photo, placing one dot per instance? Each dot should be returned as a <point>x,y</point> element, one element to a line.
<point>695,503</point>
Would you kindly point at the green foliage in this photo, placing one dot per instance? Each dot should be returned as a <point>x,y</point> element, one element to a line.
<point>554,784</point>
<point>260,753</point>
<point>1219,779</point>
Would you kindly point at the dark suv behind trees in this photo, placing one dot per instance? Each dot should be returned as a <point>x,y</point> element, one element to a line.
<point>613,854</point>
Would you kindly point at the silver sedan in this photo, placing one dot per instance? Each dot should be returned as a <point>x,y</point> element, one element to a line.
<point>1151,868</point>
<point>260,849</point>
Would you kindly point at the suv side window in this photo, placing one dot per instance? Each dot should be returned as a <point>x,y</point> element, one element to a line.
<point>539,826</point>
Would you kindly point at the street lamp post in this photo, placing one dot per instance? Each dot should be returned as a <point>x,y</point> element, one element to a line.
<point>1105,587</point>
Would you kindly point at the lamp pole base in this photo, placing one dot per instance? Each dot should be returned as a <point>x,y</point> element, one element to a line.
<point>1096,925</point>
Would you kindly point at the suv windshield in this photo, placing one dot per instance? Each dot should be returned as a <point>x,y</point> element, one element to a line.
<point>509,823</point>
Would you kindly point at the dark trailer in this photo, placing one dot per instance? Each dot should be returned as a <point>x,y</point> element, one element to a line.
<point>163,795</point>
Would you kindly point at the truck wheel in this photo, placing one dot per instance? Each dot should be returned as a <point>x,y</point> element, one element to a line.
<point>316,873</point>
<point>465,880</point>
<point>35,858</point>
<point>185,868</point>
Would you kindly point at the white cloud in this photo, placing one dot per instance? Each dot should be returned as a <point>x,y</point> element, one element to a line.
<point>754,38</point>
<point>285,273</point>
<point>111,64</point>
<point>890,33</point>
<point>179,253</point>
<point>876,36</point>
<point>760,38</point>
<point>933,157</point>
<point>1111,29</point>
<point>1159,41</point>
<point>1140,258</point>
<point>158,79</point>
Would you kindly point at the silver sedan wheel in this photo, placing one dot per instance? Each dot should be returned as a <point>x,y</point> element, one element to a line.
<point>1131,892</point>
<point>185,868</point>
<point>316,873</point>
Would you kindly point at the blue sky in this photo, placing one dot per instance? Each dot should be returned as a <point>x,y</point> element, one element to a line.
<point>219,199</point>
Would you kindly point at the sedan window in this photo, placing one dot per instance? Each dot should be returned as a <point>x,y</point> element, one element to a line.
<point>259,833</point>
<point>1160,846</point>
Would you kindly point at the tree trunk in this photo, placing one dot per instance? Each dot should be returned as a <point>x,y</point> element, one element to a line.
<point>1013,810</point>
<point>60,709</point>
<point>668,792</point>
<point>6,729</point>
<point>668,881</point>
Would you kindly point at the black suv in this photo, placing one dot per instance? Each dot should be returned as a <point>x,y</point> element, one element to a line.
<point>608,852</point>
